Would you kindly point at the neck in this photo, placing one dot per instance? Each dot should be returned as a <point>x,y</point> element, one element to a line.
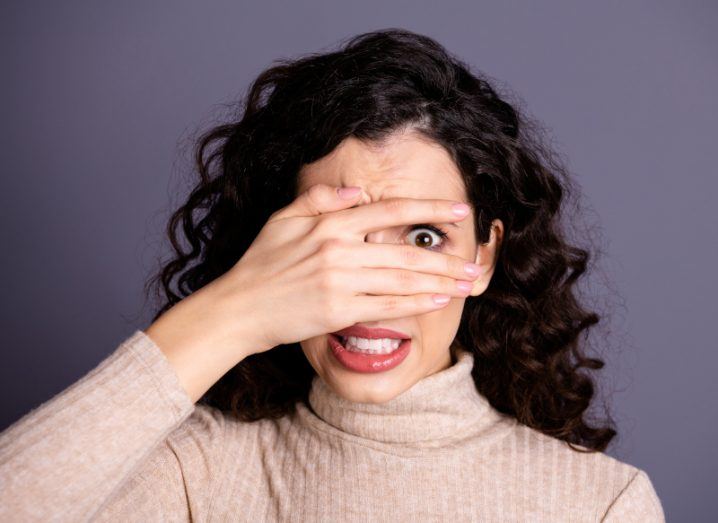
<point>439,410</point>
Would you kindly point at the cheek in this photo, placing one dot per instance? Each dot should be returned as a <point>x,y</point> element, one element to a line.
<point>313,347</point>
<point>438,328</point>
<point>465,247</point>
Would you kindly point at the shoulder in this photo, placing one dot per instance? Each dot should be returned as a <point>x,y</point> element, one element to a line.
<point>215,432</point>
<point>200,438</point>
<point>205,423</point>
<point>202,443</point>
<point>637,501</point>
<point>587,480</point>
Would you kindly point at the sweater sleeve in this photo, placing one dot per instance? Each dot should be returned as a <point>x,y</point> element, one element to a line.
<point>637,501</point>
<point>71,455</point>
<point>176,482</point>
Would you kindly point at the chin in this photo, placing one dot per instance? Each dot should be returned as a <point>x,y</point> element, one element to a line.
<point>361,387</point>
<point>378,387</point>
<point>371,391</point>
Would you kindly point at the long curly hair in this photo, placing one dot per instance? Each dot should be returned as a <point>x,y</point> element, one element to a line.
<point>525,331</point>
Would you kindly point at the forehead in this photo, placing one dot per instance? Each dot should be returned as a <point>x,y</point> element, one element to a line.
<point>405,165</point>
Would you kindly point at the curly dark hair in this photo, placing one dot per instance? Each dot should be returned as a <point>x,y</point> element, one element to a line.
<point>524,330</point>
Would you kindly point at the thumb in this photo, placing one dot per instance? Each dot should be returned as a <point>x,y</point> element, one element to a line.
<point>319,199</point>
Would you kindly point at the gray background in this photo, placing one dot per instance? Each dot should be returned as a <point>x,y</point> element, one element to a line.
<point>101,101</point>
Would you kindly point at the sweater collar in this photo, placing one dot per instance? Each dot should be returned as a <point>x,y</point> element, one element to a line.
<point>438,410</point>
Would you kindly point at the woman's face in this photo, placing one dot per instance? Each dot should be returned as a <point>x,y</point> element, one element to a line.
<point>407,166</point>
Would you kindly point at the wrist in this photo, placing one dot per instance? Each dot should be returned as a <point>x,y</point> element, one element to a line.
<point>199,343</point>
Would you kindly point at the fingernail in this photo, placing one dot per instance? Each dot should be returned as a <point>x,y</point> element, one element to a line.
<point>464,286</point>
<point>346,193</point>
<point>471,269</point>
<point>440,299</point>
<point>460,209</point>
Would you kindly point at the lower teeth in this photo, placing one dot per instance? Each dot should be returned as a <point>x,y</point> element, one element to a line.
<point>368,351</point>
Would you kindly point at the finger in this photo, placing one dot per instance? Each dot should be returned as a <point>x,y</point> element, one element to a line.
<point>389,255</point>
<point>399,211</point>
<point>373,308</point>
<point>317,199</point>
<point>404,282</point>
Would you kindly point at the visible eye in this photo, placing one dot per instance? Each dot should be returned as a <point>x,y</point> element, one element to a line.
<point>422,239</point>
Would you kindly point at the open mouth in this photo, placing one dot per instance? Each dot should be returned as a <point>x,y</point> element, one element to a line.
<point>369,360</point>
<point>370,346</point>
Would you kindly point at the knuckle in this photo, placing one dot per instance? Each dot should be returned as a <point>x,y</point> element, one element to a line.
<point>389,303</point>
<point>411,255</point>
<point>330,251</point>
<point>405,279</point>
<point>329,280</point>
<point>396,207</point>
<point>322,226</point>
<point>314,198</point>
<point>315,191</point>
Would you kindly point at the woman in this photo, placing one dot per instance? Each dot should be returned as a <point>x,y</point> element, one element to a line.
<point>349,340</point>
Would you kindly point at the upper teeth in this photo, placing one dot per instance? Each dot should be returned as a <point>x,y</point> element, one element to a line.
<point>378,345</point>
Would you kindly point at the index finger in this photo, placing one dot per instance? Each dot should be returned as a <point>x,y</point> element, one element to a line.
<point>379,215</point>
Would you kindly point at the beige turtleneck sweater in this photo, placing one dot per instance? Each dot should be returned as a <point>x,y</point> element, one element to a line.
<point>126,443</point>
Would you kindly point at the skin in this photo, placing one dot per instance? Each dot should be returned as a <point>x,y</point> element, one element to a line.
<point>411,166</point>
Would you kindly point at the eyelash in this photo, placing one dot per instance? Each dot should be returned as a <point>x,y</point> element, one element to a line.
<point>442,233</point>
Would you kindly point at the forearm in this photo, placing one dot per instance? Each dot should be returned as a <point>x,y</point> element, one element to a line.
<point>69,454</point>
<point>201,342</point>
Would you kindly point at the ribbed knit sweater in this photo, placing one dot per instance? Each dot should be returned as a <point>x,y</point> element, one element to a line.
<point>126,443</point>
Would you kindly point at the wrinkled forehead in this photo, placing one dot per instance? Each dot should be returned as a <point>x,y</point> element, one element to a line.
<point>405,165</point>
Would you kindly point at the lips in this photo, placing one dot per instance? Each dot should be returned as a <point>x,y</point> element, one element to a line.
<point>360,331</point>
<point>365,362</point>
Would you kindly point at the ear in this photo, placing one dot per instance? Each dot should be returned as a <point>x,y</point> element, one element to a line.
<point>487,256</point>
